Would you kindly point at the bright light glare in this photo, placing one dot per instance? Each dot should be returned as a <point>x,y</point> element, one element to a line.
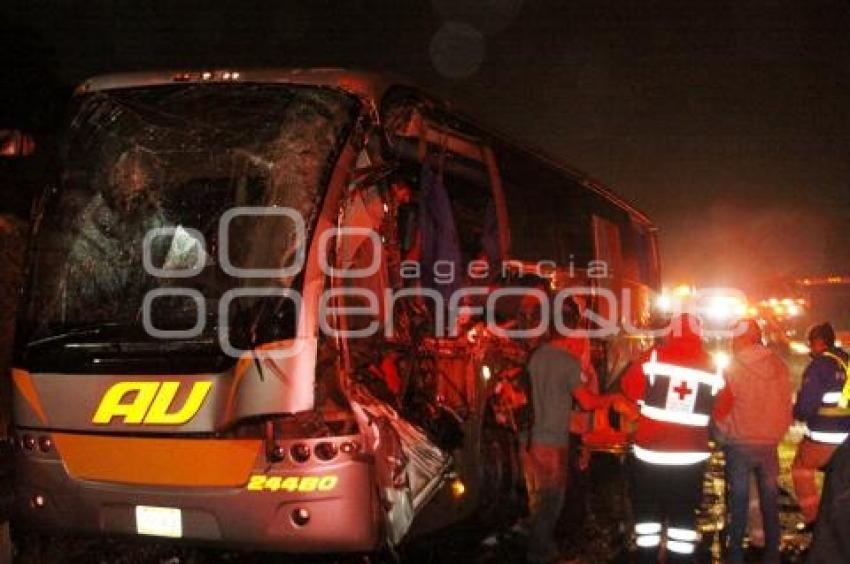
<point>486,373</point>
<point>798,347</point>
<point>682,290</point>
<point>664,302</point>
<point>458,487</point>
<point>721,359</point>
<point>722,308</point>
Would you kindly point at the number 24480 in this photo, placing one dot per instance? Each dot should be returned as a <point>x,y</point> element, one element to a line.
<point>304,484</point>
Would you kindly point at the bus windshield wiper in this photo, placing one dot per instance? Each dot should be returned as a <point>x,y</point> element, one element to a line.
<point>88,330</point>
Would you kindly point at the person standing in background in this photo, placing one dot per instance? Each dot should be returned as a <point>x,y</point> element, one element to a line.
<point>761,413</point>
<point>555,378</point>
<point>822,404</point>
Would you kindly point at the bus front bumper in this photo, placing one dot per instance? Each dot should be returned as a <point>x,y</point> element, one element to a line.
<point>304,514</point>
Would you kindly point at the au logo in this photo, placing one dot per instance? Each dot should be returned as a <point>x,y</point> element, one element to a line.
<point>150,403</point>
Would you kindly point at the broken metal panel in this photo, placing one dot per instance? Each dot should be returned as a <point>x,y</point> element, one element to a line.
<point>411,469</point>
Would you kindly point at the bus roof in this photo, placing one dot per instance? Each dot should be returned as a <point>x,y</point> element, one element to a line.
<point>361,83</point>
<point>371,85</point>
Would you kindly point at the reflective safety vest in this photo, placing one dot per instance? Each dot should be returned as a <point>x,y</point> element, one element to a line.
<point>835,405</point>
<point>837,402</point>
<point>679,394</point>
<point>682,541</point>
<point>669,458</point>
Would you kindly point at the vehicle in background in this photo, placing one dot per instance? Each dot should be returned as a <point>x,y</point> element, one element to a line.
<point>790,307</point>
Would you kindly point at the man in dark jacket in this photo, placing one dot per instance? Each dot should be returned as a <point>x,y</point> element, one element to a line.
<point>831,544</point>
<point>822,404</point>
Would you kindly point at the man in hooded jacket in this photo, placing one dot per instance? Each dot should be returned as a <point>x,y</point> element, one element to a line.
<point>678,394</point>
<point>760,416</point>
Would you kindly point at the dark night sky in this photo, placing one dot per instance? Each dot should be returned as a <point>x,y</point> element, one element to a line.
<point>728,122</point>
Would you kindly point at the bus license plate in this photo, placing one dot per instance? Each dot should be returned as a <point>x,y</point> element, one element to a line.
<point>159,521</point>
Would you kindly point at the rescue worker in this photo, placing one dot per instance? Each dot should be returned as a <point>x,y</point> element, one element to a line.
<point>678,393</point>
<point>822,405</point>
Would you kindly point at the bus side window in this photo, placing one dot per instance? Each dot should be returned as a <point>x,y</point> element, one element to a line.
<point>609,245</point>
<point>639,255</point>
<point>647,257</point>
<point>548,212</point>
<point>475,218</point>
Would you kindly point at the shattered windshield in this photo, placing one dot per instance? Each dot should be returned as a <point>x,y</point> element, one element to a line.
<point>148,175</point>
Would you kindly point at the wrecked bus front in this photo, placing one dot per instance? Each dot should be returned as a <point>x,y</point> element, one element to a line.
<point>173,251</point>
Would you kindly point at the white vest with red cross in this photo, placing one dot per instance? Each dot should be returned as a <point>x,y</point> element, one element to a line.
<point>677,396</point>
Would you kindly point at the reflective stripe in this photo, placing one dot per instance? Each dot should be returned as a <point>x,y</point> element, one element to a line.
<point>838,360</point>
<point>831,438</point>
<point>682,534</point>
<point>648,528</point>
<point>834,404</point>
<point>844,397</point>
<point>674,458</point>
<point>654,368</point>
<point>834,411</point>
<point>692,419</point>
<point>831,398</point>
<point>680,547</point>
<point>648,541</point>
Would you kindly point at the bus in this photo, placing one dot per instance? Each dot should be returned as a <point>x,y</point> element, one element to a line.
<point>257,310</point>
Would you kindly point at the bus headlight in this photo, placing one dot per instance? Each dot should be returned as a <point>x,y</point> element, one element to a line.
<point>45,444</point>
<point>300,452</point>
<point>325,451</point>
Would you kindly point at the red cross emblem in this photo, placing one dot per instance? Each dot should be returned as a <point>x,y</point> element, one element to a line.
<point>683,390</point>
